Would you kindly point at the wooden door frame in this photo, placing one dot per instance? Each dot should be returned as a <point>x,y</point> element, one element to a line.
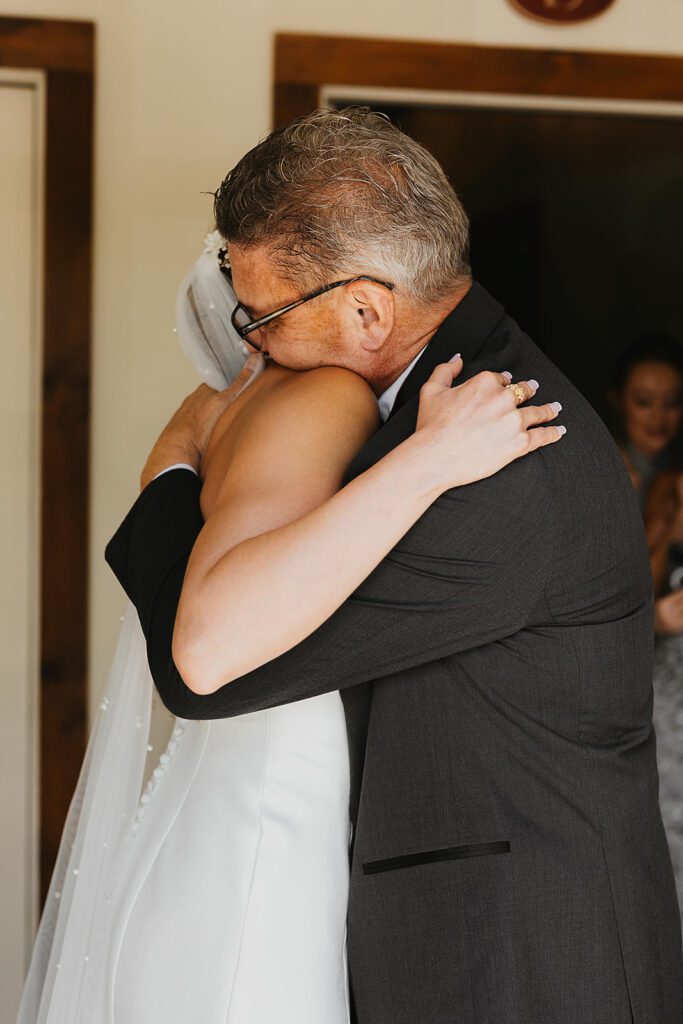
<point>306,63</point>
<point>64,51</point>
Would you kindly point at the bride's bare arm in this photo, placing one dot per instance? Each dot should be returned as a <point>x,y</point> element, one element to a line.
<point>290,460</point>
<point>283,548</point>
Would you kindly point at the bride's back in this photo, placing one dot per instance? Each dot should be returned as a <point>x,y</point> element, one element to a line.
<point>231,427</point>
<point>246,429</point>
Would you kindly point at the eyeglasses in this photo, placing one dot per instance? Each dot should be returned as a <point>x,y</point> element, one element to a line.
<point>241,318</point>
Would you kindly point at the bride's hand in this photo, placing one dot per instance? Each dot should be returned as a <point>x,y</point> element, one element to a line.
<point>472,431</point>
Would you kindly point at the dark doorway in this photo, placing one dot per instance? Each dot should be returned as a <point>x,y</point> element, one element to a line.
<point>577,222</point>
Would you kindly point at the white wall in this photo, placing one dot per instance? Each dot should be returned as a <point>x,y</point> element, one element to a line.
<point>183,91</point>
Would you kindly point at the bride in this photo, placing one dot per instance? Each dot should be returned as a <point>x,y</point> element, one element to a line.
<point>218,894</point>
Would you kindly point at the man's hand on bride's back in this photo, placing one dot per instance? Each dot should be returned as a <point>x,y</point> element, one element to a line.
<point>185,436</point>
<point>473,430</point>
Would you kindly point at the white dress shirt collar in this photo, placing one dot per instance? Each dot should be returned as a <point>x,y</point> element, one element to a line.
<point>387,398</point>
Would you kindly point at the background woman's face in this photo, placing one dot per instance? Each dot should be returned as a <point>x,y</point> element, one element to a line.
<point>652,406</point>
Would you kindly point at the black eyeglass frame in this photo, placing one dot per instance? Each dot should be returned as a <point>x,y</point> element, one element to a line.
<point>253,325</point>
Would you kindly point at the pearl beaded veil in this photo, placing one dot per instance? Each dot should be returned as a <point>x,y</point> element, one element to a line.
<point>69,978</point>
<point>203,310</point>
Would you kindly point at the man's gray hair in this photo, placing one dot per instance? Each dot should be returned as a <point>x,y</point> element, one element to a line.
<point>345,192</point>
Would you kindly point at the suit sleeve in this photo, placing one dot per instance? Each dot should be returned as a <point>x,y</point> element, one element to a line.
<point>468,573</point>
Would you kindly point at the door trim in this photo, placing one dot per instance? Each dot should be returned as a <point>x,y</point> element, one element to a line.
<point>64,52</point>
<point>32,82</point>
<point>304,64</point>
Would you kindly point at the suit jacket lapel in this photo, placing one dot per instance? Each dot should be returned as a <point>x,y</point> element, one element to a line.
<point>464,330</point>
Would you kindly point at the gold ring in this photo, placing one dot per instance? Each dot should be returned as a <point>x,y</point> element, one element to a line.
<point>519,392</point>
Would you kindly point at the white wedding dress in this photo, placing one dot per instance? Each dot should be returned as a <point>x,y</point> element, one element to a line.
<point>218,894</point>
<point>233,902</point>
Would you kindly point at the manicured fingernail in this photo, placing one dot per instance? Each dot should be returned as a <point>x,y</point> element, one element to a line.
<point>533,384</point>
<point>562,430</point>
<point>556,407</point>
<point>453,358</point>
<point>507,374</point>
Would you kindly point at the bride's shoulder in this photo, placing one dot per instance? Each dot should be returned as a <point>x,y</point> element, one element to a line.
<point>311,411</point>
<point>326,388</point>
<point>300,426</point>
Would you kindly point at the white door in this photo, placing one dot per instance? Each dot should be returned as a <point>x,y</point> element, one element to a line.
<point>21,161</point>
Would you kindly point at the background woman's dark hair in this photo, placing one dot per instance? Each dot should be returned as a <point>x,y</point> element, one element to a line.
<point>649,348</point>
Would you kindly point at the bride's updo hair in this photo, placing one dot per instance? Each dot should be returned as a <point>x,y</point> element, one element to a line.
<point>344,192</point>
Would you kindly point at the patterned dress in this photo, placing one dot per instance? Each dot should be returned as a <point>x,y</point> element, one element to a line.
<point>668,690</point>
<point>668,720</point>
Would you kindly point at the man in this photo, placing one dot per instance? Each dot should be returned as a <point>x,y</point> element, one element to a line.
<point>509,861</point>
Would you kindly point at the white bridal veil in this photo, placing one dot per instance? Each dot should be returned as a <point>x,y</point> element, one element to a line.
<point>67,981</point>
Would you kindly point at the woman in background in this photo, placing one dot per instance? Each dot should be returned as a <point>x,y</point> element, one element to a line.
<point>648,395</point>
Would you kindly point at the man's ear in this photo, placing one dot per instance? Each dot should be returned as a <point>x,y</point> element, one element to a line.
<point>371,310</point>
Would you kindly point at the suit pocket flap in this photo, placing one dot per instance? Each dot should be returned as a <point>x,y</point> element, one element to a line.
<point>431,856</point>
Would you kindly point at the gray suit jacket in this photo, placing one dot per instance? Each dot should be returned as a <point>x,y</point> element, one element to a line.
<point>509,862</point>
